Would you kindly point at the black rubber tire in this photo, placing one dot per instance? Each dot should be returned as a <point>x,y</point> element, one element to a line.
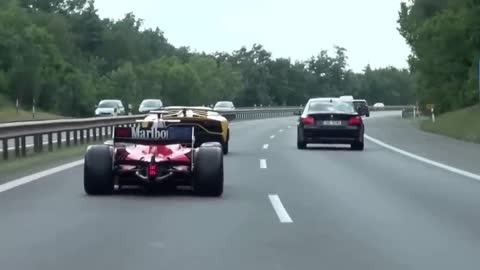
<point>300,142</point>
<point>301,145</point>
<point>225,145</point>
<point>98,170</point>
<point>225,148</point>
<point>208,171</point>
<point>359,146</point>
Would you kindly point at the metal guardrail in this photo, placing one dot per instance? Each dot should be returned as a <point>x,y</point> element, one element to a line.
<point>391,108</point>
<point>78,131</point>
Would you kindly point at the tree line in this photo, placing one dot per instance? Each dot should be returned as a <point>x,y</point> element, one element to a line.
<point>445,40</point>
<point>61,54</point>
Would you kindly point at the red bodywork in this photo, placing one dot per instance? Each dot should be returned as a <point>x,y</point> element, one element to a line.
<point>152,152</point>
<point>163,154</point>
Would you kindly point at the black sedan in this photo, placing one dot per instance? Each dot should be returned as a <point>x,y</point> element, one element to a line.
<point>330,121</point>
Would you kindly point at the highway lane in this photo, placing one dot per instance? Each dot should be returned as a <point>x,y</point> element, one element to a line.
<point>350,210</point>
<point>402,134</point>
<point>374,209</point>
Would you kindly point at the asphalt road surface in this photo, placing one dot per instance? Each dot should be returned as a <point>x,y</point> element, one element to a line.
<point>283,208</point>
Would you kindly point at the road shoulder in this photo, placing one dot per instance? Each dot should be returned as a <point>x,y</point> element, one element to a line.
<point>401,133</point>
<point>16,168</point>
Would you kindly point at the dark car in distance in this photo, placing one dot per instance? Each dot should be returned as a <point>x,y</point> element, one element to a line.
<point>330,121</point>
<point>361,106</point>
<point>148,105</point>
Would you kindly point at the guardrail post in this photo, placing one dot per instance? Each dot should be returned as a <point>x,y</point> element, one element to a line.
<point>88,134</point>
<point>17,147</point>
<point>102,129</point>
<point>75,137</point>
<point>40,143</point>
<point>94,130</point>
<point>24,146</point>
<point>35,148</point>
<point>35,144</point>
<point>5,148</point>
<point>50,142</point>
<point>67,137</point>
<point>59,139</point>
<point>82,136</point>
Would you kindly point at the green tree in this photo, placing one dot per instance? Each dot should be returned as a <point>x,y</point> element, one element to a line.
<point>444,38</point>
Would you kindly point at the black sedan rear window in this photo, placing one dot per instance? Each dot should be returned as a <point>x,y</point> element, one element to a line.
<point>331,107</point>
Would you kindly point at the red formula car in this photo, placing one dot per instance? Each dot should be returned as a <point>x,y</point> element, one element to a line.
<point>155,151</point>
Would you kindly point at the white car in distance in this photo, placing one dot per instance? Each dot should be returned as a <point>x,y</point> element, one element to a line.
<point>109,107</point>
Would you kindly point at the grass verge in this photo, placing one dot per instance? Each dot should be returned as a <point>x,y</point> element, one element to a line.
<point>11,115</point>
<point>463,124</point>
<point>35,162</point>
<point>8,113</point>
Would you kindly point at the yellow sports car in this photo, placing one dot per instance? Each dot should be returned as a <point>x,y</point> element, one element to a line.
<point>212,126</point>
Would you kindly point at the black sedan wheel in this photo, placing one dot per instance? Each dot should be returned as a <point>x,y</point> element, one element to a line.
<point>357,146</point>
<point>300,141</point>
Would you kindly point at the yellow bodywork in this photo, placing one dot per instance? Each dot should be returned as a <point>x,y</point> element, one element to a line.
<point>191,116</point>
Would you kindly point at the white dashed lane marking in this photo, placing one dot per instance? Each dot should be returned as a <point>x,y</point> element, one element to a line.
<point>279,209</point>
<point>273,136</point>
<point>263,163</point>
<point>265,146</point>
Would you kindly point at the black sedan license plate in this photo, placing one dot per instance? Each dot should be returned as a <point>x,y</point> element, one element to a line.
<point>332,123</point>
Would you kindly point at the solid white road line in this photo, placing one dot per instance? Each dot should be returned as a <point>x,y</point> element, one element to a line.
<point>425,160</point>
<point>273,136</point>
<point>30,178</point>
<point>279,209</point>
<point>263,163</point>
<point>265,146</point>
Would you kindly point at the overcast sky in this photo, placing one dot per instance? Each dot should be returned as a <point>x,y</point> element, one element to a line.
<point>297,28</point>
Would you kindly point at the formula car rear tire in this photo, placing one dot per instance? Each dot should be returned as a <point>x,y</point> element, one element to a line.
<point>98,170</point>
<point>208,171</point>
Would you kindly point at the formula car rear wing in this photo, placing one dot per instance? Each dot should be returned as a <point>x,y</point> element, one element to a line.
<point>152,135</point>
